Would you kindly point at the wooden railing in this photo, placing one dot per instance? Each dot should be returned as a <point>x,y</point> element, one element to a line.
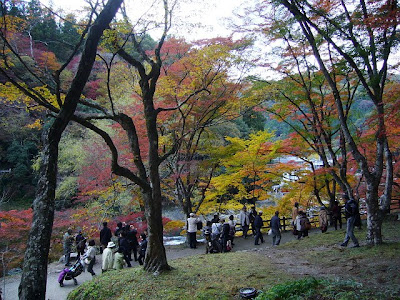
<point>286,222</point>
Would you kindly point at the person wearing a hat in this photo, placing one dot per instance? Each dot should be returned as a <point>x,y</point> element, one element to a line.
<point>108,257</point>
<point>192,229</point>
<point>323,219</point>
<point>258,223</point>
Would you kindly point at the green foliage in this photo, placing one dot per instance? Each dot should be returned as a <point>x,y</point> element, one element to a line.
<point>255,120</point>
<point>71,159</point>
<point>20,154</point>
<point>18,148</point>
<point>66,190</point>
<point>311,288</point>
<point>299,289</point>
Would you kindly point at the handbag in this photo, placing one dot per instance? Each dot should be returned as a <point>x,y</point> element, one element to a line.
<point>308,225</point>
<point>270,232</point>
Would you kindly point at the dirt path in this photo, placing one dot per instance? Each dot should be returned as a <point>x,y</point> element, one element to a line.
<point>55,292</point>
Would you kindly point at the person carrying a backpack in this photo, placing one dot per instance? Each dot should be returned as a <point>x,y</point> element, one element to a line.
<point>252,217</point>
<point>351,211</point>
<point>225,236</point>
<point>207,235</point>
<point>302,225</point>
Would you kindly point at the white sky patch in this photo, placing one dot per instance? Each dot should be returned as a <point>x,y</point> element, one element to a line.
<point>192,20</point>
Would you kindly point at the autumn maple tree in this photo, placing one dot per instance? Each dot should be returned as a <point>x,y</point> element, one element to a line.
<point>200,79</point>
<point>302,100</point>
<point>359,36</point>
<point>248,169</point>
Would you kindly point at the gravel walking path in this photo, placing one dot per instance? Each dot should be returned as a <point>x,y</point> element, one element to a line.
<point>55,292</point>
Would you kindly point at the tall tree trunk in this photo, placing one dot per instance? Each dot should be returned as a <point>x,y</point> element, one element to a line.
<point>156,258</point>
<point>34,276</point>
<point>374,215</point>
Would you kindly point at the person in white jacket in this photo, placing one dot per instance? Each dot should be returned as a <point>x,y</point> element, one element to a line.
<point>108,258</point>
<point>244,220</point>
<point>192,229</point>
<point>90,257</point>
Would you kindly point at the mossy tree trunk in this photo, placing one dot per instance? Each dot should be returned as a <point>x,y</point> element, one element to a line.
<point>34,275</point>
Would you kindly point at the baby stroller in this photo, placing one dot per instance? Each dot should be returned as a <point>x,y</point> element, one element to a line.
<point>71,273</point>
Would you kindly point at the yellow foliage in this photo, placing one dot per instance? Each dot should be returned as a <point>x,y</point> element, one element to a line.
<point>165,140</point>
<point>173,225</point>
<point>247,164</point>
<point>46,94</point>
<point>35,125</point>
<point>110,39</point>
<point>211,206</point>
<point>11,94</point>
<point>12,25</point>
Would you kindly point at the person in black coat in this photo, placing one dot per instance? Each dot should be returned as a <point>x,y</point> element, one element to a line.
<point>105,236</point>
<point>215,219</point>
<point>124,244</point>
<point>133,242</point>
<point>225,235</point>
<point>119,229</point>
<point>143,248</point>
<point>258,223</point>
<point>275,225</point>
<point>252,217</point>
<point>80,242</point>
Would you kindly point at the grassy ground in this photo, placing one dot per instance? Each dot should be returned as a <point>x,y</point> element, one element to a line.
<point>313,268</point>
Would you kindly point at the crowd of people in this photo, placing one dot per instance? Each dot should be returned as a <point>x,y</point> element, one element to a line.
<point>116,248</point>
<point>301,224</point>
<point>219,233</point>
